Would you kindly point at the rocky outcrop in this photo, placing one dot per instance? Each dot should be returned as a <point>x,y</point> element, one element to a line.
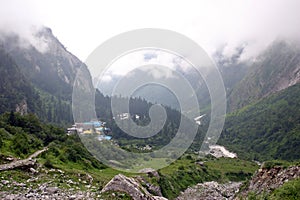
<point>22,107</point>
<point>130,186</point>
<point>25,163</point>
<point>151,172</point>
<point>266,180</point>
<point>210,191</point>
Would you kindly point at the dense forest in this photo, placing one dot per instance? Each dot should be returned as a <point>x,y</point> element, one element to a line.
<point>267,129</point>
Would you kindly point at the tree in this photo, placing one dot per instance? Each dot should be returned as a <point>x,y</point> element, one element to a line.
<point>12,118</point>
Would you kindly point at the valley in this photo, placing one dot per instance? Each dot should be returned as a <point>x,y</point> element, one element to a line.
<point>42,156</point>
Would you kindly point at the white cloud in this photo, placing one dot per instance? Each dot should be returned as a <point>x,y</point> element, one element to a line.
<point>20,18</point>
<point>83,25</point>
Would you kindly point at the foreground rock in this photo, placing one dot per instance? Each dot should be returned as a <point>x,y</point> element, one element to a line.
<point>43,183</point>
<point>210,191</point>
<point>25,163</point>
<point>48,195</point>
<point>130,186</point>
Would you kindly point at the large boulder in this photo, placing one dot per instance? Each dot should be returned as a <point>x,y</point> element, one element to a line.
<point>130,186</point>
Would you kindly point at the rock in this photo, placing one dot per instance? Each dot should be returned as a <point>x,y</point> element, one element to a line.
<point>41,195</point>
<point>130,186</point>
<point>30,195</point>
<point>210,190</point>
<point>5,182</point>
<point>70,182</point>
<point>266,180</point>
<point>32,170</point>
<point>90,178</point>
<point>23,164</point>
<point>9,159</point>
<point>22,107</point>
<point>20,184</point>
<point>51,190</point>
<point>151,172</point>
<point>153,189</point>
<point>42,188</point>
<point>73,197</point>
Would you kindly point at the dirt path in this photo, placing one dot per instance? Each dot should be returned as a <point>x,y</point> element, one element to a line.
<point>27,162</point>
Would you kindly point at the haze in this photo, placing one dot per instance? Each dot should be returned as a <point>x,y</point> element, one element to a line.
<point>83,25</point>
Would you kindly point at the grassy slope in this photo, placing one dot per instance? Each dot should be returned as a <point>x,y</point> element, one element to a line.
<point>66,153</point>
<point>268,129</point>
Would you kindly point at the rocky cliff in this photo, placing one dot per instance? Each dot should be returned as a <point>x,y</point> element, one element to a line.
<point>267,180</point>
<point>274,70</point>
<point>264,181</point>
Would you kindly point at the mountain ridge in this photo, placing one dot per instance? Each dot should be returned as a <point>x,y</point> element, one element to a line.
<point>277,68</point>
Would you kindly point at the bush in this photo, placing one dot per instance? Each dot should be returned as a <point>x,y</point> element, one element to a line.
<point>289,190</point>
<point>48,164</point>
<point>272,163</point>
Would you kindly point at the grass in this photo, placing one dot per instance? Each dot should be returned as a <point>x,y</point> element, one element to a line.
<point>176,177</point>
<point>154,163</point>
<point>233,169</point>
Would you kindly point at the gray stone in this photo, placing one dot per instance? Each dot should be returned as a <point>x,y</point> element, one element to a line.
<point>130,186</point>
<point>5,182</point>
<point>52,190</point>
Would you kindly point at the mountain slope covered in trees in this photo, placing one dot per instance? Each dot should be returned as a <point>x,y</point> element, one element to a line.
<point>268,129</point>
<point>17,93</point>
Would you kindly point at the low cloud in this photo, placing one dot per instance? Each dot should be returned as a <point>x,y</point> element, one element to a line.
<point>17,18</point>
<point>213,24</point>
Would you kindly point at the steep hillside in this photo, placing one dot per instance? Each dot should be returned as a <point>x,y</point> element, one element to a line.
<point>275,69</point>
<point>17,94</point>
<point>268,129</point>
<point>277,182</point>
<point>46,67</point>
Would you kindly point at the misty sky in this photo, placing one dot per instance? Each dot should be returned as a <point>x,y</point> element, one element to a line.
<point>83,25</point>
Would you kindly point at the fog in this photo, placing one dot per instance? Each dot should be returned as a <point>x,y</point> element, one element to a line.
<point>83,25</point>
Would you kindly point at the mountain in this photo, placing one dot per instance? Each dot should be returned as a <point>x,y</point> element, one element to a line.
<point>37,77</point>
<point>231,69</point>
<point>263,119</point>
<point>267,129</point>
<point>42,77</point>
<point>45,66</point>
<point>277,68</point>
<point>51,68</point>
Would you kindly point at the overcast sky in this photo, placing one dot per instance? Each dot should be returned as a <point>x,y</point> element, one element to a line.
<point>83,25</point>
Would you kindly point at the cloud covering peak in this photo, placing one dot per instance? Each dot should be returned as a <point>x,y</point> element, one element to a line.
<point>82,26</point>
